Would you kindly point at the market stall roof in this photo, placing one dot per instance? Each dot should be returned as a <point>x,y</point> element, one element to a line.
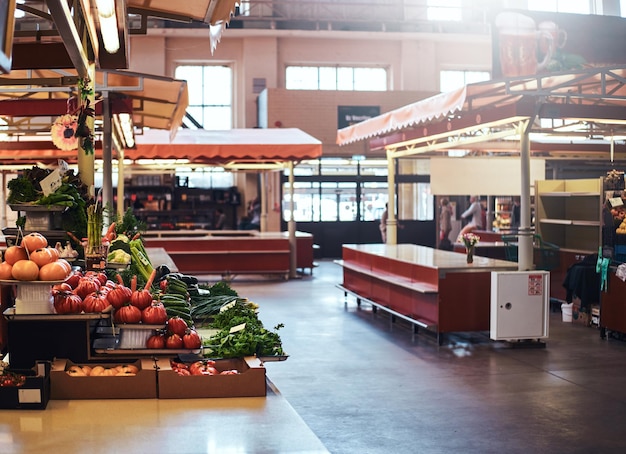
<point>31,100</point>
<point>591,101</point>
<point>51,33</point>
<point>227,146</point>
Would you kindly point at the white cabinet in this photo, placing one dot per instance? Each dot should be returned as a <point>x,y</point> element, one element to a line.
<point>519,305</point>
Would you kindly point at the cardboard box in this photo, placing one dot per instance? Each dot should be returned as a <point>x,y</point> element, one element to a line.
<point>34,394</point>
<point>140,386</point>
<point>579,316</point>
<point>250,382</point>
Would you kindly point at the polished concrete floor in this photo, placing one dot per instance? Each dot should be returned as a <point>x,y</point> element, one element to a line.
<point>355,383</point>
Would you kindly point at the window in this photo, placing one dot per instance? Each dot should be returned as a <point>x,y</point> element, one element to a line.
<point>335,78</point>
<point>444,10</point>
<point>210,94</point>
<point>561,6</point>
<point>450,80</point>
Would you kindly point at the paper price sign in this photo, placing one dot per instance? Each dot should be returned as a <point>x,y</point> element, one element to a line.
<point>51,183</point>
<point>616,202</point>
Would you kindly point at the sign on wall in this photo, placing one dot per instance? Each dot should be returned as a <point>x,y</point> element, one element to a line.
<point>349,115</point>
<point>481,176</point>
<point>534,42</point>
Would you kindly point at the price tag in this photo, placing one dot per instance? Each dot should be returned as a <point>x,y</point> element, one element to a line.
<point>236,328</point>
<point>616,202</point>
<point>51,183</point>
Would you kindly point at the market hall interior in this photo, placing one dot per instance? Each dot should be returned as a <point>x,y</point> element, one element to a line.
<point>356,383</point>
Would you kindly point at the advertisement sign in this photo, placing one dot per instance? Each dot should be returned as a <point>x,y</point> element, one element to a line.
<point>349,115</point>
<point>533,42</point>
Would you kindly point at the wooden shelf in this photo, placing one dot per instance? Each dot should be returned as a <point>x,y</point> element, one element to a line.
<point>569,212</point>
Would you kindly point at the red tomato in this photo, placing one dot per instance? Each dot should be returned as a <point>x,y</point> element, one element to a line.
<point>192,339</point>
<point>176,325</point>
<point>74,279</point>
<point>67,303</point>
<point>156,341</point>
<point>86,286</point>
<point>174,341</point>
<point>119,296</point>
<point>141,299</point>
<point>62,287</point>
<point>128,314</point>
<point>95,302</point>
<point>154,314</point>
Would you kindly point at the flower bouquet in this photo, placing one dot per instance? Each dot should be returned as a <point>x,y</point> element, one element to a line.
<point>470,240</point>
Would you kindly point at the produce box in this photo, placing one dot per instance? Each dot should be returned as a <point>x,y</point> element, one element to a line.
<point>140,385</point>
<point>31,394</point>
<point>249,382</point>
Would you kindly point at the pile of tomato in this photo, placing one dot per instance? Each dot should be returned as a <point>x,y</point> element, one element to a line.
<point>203,367</point>
<point>11,379</point>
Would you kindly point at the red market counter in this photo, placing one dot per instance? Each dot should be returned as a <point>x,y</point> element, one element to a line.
<point>433,289</point>
<point>231,252</point>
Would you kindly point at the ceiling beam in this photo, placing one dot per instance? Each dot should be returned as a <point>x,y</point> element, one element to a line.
<point>64,22</point>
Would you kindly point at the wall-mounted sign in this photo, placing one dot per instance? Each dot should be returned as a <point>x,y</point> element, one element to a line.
<point>349,115</point>
<point>532,42</point>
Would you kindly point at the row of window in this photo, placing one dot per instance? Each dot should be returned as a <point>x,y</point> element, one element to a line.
<point>212,86</point>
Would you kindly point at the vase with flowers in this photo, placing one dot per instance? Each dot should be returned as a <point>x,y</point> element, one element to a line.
<point>470,240</point>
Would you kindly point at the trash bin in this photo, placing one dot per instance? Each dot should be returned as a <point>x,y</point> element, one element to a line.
<point>566,312</point>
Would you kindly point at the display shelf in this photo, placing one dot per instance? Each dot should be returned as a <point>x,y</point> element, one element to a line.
<point>569,213</point>
<point>11,314</point>
<point>110,347</point>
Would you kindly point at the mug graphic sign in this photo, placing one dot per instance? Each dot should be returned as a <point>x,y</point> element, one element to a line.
<point>519,41</point>
<point>525,43</point>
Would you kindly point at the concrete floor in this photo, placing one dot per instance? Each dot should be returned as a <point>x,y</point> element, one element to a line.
<point>355,384</point>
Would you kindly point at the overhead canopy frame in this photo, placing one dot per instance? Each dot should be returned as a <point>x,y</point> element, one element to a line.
<point>591,101</point>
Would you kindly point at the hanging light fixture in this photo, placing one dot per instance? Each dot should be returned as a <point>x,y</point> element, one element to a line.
<point>108,25</point>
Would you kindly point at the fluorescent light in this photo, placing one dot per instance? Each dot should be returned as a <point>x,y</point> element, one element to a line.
<point>108,25</point>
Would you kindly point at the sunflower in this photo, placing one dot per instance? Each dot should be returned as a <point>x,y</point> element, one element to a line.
<point>63,132</point>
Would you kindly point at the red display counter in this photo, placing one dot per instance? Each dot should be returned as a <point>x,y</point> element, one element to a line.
<point>430,288</point>
<point>231,252</point>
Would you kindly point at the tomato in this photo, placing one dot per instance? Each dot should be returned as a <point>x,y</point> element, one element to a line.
<point>128,314</point>
<point>34,241</point>
<point>174,341</point>
<point>42,256</point>
<point>141,299</point>
<point>62,287</point>
<point>25,270</point>
<point>15,253</point>
<point>95,302</point>
<point>53,271</point>
<point>98,275</point>
<point>74,279</point>
<point>156,341</point>
<point>6,271</point>
<point>176,325</point>
<point>87,285</point>
<point>203,368</point>
<point>154,314</point>
<point>67,303</point>
<point>119,296</point>
<point>192,339</point>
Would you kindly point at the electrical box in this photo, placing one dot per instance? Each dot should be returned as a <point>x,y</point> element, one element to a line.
<point>519,305</point>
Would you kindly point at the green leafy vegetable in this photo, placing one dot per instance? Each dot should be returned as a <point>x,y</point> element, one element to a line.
<point>250,339</point>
